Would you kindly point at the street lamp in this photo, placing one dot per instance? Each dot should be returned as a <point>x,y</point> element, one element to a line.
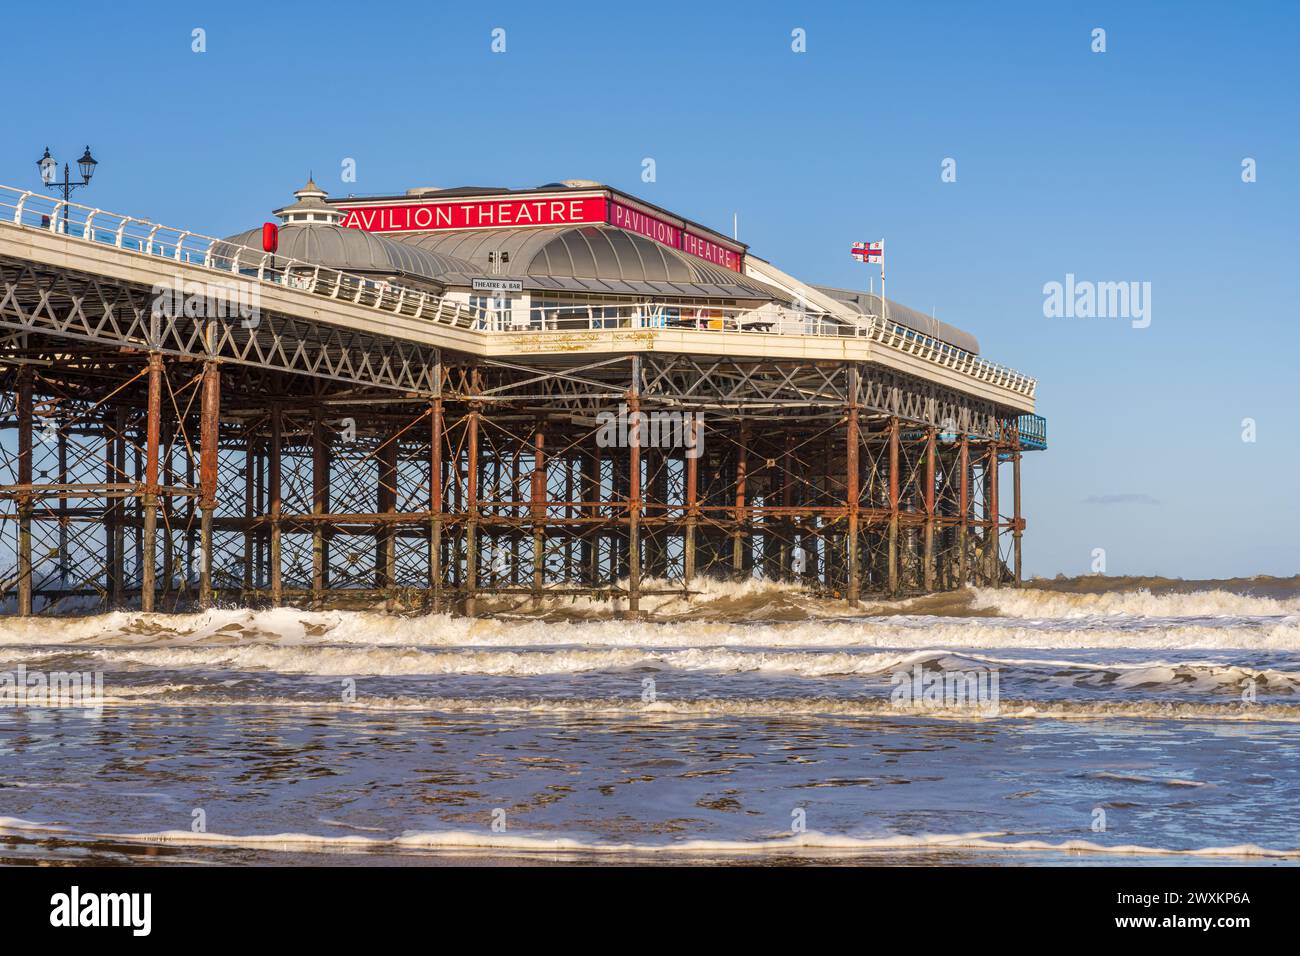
<point>50,169</point>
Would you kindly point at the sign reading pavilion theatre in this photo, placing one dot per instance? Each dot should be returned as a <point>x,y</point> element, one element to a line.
<point>544,207</point>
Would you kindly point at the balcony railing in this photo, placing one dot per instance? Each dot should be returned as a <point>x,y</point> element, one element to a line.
<point>39,211</point>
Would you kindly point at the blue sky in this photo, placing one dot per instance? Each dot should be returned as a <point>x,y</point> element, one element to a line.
<point>1115,166</point>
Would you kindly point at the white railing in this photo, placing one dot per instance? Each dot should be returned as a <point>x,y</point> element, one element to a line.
<point>37,211</point>
<point>40,211</point>
<point>649,314</point>
<point>773,319</point>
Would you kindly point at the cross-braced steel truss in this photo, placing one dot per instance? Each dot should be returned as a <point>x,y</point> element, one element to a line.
<point>161,461</point>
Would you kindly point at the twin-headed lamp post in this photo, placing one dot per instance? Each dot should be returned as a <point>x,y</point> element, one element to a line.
<point>50,170</point>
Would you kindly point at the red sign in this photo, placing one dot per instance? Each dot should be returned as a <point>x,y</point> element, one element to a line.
<point>711,251</point>
<point>558,211</point>
<point>633,220</point>
<point>476,214</point>
<point>270,237</point>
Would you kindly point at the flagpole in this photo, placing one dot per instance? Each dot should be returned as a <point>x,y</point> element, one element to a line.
<point>884,303</point>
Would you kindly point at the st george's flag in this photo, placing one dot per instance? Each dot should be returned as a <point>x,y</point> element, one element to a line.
<point>869,251</point>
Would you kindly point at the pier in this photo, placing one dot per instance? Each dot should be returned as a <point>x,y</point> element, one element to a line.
<point>362,441</point>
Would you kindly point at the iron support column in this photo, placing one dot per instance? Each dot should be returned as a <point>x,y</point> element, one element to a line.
<point>386,549</point>
<point>148,583</point>
<point>537,507</point>
<point>320,498</point>
<point>893,507</point>
<point>471,513</point>
<point>963,507</point>
<point>634,500</point>
<point>929,509</point>
<point>250,510</point>
<point>209,425</point>
<point>738,536</point>
<point>275,501</point>
<point>692,503</point>
<point>435,503</point>
<point>994,560</point>
<point>1017,528</point>
<point>851,492</point>
<point>114,472</point>
<point>24,399</point>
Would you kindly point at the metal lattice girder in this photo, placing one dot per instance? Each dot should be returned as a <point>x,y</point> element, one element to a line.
<point>731,382</point>
<point>917,401</point>
<point>775,384</point>
<point>862,473</point>
<point>97,309</point>
<point>545,387</point>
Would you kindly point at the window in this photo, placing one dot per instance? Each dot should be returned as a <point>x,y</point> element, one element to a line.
<point>494,311</point>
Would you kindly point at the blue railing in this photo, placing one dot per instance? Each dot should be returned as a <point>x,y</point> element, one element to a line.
<point>1033,432</point>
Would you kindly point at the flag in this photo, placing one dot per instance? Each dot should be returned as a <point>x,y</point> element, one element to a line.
<point>869,251</point>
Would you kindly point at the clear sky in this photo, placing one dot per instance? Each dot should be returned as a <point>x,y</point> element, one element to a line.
<point>1124,165</point>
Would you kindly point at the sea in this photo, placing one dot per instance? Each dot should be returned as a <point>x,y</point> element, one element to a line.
<point>1084,721</point>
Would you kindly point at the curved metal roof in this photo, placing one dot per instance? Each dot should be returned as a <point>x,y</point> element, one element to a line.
<point>592,258</point>
<point>353,250</point>
<point>869,304</point>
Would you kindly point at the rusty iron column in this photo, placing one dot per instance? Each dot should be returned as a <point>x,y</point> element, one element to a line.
<point>513,533</point>
<point>63,507</point>
<point>24,400</point>
<point>261,540</point>
<point>117,474</point>
<point>110,505</point>
<point>275,501</point>
<point>471,513</point>
<point>1018,522</point>
<point>137,499</point>
<point>617,508</point>
<point>569,514</point>
<point>930,451</point>
<point>634,500</point>
<point>209,427</point>
<point>692,501</point>
<point>994,560</point>
<point>784,560</point>
<point>435,503</point>
<point>386,532</point>
<point>191,510</point>
<point>852,477</point>
<point>738,536</point>
<point>148,582</point>
<point>167,504</point>
<point>537,507</point>
<point>320,496</point>
<point>963,507</point>
<point>592,484</point>
<point>250,510</point>
<point>652,466</point>
<point>892,571</point>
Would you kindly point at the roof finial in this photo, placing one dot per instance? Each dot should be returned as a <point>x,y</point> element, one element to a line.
<point>310,206</point>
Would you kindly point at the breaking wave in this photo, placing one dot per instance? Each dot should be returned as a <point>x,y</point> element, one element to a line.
<point>1034,603</point>
<point>462,841</point>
